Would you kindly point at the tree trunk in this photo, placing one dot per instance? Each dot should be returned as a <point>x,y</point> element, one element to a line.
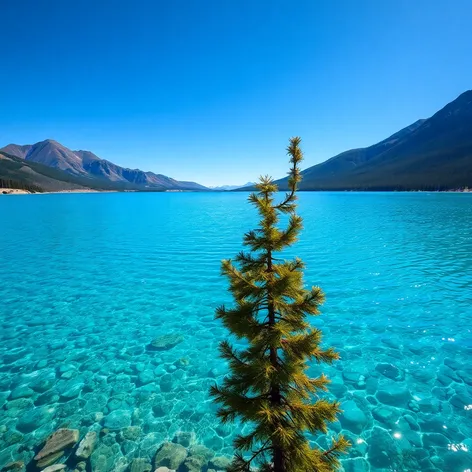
<point>278,460</point>
<point>275,398</point>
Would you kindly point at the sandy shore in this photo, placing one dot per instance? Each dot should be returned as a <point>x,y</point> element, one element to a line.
<point>13,191</point>
<point>84,190</point>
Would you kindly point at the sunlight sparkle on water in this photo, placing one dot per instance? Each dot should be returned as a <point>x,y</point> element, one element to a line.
<point>458,447</point>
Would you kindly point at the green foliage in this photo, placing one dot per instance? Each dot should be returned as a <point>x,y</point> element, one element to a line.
<point>21,185</point>
<point>268,386</point>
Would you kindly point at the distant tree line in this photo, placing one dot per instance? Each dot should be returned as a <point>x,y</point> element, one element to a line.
<point>9,183</point>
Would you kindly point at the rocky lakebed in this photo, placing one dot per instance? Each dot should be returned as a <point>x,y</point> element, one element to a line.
<point>142,408</point>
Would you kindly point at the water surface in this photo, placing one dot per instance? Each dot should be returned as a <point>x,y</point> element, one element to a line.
<point>88,281</point>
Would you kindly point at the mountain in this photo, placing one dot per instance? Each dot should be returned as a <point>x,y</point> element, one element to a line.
<point>232,187</point>
<point>16,150</point>
<point>85,164</point>
<point>101,168</point>
<point>15,172</point>
<point>431,154</point>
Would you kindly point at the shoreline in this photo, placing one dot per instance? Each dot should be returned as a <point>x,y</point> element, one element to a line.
<point>16,191</point>
<point>13,191</point>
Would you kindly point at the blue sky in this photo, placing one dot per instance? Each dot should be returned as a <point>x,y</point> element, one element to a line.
<point>211,90</point>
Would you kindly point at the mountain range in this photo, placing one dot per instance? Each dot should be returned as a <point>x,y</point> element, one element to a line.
<point>82,168</point>
<point>431,154</point>
<point>232,187</point>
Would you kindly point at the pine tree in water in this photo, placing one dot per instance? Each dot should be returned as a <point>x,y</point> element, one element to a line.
<point>268,387</point>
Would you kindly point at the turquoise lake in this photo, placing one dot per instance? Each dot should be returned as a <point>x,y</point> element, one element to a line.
<point>88,281</point>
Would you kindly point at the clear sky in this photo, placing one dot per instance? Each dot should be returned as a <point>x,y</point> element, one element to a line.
<point>211,91</point>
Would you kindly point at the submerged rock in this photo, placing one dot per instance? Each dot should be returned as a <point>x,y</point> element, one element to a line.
<point>100,463</point>
<point>423,375</point>
<point>413,438</point>
<point>118,419</point>
<point>146,376</point>
<point>54,468</point>
<point>386,415</point>
<point>352,417</point>
<point>73,391</point>
<point>337,388</point>
<point>13,355</point>
<point>121,465</point>
<point>21,392</point>
<point>58,442</point>
<point>458,460</point>
<point>390,371</point>
<point>140,465</point>
<point>184,438</point>
<point>3,398</point>
<point>465,376</point>
<point>435,439</point>
<point>219,463</point>
<point>17,466</point>
<point>352,376</point>
<point>412,422</point>
<point>170,455</point>
<point>182,363</point>
<point>43,382</point>
<point>166,383</point>
<point>461,400</point>
<point>105,456</point>
<point>200,450</point>
<point>46,398</point>
<point>33,419</point>
<point>19,404</point>
<point>48,460</point>
<point>394,395</point>
<point>167,341</point>
<point>382,448</point>
<point>86,446</point>
<point>358,464</point>
<point>193,464</point>
<point>131,433</point>
<point>11,437</point>
<point>431,424</point>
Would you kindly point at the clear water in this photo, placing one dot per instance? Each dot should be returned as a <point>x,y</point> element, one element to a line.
<point>88,281</point>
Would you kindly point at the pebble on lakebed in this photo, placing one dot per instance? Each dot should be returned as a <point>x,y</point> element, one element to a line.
<point>166,341</point>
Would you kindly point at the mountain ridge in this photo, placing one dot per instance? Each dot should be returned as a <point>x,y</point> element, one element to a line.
<point>15,172</point>
<point>430,154</point>
<point>87,164</point>
<point>225,188</point>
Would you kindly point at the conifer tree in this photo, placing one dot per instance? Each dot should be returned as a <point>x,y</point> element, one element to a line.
<point>268,387</point>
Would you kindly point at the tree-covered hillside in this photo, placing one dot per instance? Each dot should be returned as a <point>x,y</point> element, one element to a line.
<point>432,154</point>
<point>28,173</point>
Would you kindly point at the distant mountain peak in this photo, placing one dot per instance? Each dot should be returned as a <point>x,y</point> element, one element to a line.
<point>17,150</point>
<point>433,153</point>
<point>86,164</point>
<point>232,187</point>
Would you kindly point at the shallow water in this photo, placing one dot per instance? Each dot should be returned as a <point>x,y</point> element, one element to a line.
<point>88,281</point>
